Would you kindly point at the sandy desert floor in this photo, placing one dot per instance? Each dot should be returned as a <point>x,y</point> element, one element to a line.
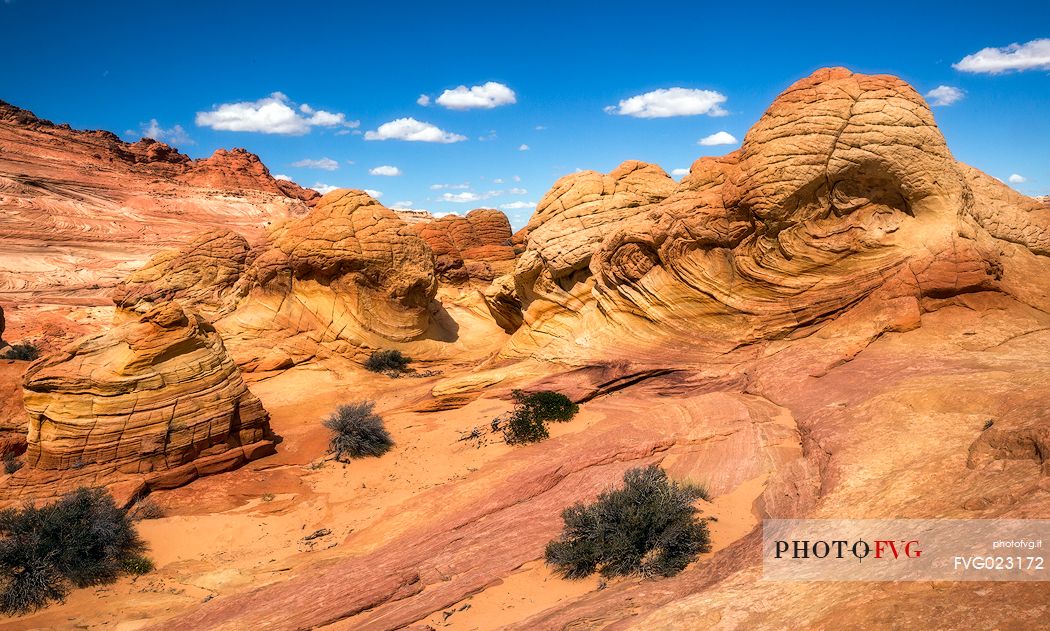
<point>246,528</point>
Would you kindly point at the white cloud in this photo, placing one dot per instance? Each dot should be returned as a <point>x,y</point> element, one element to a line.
<point>540,127</point>
<point>518,205</point>
<point>412,130</point>
<point>386,169</point>
<point>469,196</point>
<point>944,95</point>
<point>485,96</point>
<point>1034,55</point>
<point>523,148</point>
<point>498,180</point>
<point>719,138</point>
<point>438,187</point>
<point>671,102</point>
<point>402,205</point>
<point>516,178</point>
<point>374,193</point>
<point>1016,178</point>
<point>518,191</point>
<point>448,214</point>
<point>423,100</point>
<point>679,172</point>
<point>281,176</point>
<point>324,189</point>
<point>270,115</point>
<point>327,164</point>
<point>173,136</point>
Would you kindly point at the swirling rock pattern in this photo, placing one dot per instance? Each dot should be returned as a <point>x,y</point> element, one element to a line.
<point>476,246</point>
<point>843,192</point>
<point>147,398</point>
<point>80,209</point>
<point>201,274</point>
<point>350,274</point>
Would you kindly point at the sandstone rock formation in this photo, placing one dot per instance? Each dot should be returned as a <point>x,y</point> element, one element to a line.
<point>476,246</point>
<point>201,274</point>
<point>838,320</point>
<point>80,209</point>
<point>12,414</point>
<point>154,400</point>
<point>843,195</point>
<point>348,275</point>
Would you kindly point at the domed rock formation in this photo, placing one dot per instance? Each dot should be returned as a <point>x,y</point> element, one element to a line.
<point>81,209</point>
<point>157,399</point>
<point>569,223</point>
<point>476,246</point>
<point>843,193</point>
<point>350,274</point>
<point>201,274</point>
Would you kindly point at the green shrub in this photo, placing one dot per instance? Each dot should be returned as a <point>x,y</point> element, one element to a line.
<point>648,527</point>
<point>528,421</point>
<point>138,565</point>
<point>23,352</point>
<point>358,431</point>
<point>385,361</point>
<point>547,405</point>
<point>82,539</point>
<point>524,428</point>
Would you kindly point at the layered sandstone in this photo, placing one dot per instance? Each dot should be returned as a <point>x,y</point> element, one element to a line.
<point>843,196</point>
<point>152,399</point>
<point>836,321</point>
<point>349,275</point>
<point>201,274</point>
<point>476,246</point>
<point>80,209</point>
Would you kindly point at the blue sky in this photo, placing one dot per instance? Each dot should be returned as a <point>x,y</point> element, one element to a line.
<point>121,65</point>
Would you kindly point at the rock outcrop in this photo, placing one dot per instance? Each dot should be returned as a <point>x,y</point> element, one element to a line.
<point>151,400</point>
<point>349,275</point>
<point>476,246</point>
<point>843,195</point>
<point>241,169</point>
<point>80,209</point>
<point>201,274</point>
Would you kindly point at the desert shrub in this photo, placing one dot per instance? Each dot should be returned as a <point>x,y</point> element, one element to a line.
<point>137,565</point>
<point>82,539</point>
<point>11,464</point>
<point>524,428</point>
<point>648,527</point>
<point>546,405</point>
<point>32,584</point>
<point>527,423</point>
<point>358,431</point>
<point>23,352</point>
<point>385,361</point>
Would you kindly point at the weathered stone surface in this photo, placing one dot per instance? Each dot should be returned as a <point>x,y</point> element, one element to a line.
<point>241,169</point>
<point>201,274</point>
<point>81,209</point>
<point>350,274</point>
<point>449,543</point>
<point>149,395</point>
<point>476,246</point>
<point>581,209</point>
<point>843,192</point>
